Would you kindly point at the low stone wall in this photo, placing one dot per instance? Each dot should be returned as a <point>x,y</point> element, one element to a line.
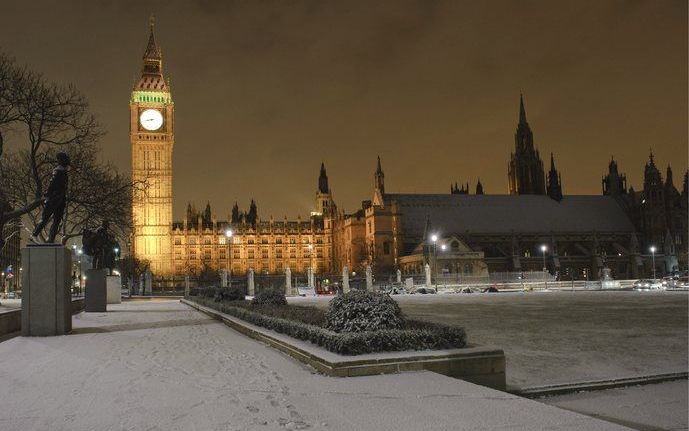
<point>481,365</point>
<point>11,321</point>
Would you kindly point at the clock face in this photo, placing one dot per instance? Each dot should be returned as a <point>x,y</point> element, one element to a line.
<point>151,119</point>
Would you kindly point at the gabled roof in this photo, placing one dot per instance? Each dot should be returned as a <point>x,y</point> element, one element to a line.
<point>504,214</point>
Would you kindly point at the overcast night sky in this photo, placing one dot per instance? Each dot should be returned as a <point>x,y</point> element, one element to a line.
<point>265,91</point>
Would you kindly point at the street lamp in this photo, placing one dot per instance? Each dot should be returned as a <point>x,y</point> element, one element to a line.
<point>544,248</point>
<point>653,257</point>
<point>228,235</point>
<point>79,252</point>
<point>434,240</point>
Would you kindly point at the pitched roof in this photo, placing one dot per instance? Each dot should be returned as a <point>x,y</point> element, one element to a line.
<point>500,214</point>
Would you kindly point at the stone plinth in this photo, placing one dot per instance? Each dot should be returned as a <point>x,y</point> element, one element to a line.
<point>96,290</point>
<point>46,295</point>
<point>113,285</point>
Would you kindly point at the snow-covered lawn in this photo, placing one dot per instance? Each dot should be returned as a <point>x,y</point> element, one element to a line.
<point>565,337</point>
<point>160,365</point>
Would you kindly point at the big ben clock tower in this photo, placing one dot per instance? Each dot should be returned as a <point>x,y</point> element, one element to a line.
<point>151,133</point>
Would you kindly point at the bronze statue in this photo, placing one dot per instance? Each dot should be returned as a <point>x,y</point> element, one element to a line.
<point>55,199</point>
<point>101,246</point>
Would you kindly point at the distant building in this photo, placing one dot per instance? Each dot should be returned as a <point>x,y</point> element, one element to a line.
<point>506,233</point>
<point>266,246</point>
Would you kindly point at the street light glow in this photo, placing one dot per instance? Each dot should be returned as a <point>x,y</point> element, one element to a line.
<point>228,233</point>
<point>434,237</point>
<point>653,249</point>
<point>544,248</point>
<point>443,247</point>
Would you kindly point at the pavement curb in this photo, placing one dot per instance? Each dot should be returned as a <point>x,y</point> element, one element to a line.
<point>597,385</point>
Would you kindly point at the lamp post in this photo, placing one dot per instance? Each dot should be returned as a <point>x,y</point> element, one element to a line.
<point>434,240</point>
<point>228,236</point>
<point>544,248</point>
<point>117,257</point>
<point>79,252</point>
<point>653,257</point>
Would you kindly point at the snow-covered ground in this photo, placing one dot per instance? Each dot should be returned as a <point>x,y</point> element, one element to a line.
<point>566,337</point>
<point>649,407</point>
<point>159,365</point>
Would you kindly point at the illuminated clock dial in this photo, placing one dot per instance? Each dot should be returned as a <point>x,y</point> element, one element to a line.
<point>151,119</point>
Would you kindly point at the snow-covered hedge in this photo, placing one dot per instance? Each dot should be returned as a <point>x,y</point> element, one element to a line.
<point>269,297</point>
<point>416,336</point>
<point>359,311</point>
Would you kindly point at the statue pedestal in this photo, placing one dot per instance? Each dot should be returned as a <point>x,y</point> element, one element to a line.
<point>46,295</point>
<point>114,289</point>
<point>96,291</point>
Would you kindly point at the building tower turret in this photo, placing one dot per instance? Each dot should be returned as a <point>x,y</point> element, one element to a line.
<point>525,169</point>
<point>151,134</point>
<point>554,181</point>
<point>614,183</point>
<point>324,199</point>
<point>378,185</point>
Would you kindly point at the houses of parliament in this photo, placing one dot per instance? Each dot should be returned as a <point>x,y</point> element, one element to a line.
<point>484,233</point>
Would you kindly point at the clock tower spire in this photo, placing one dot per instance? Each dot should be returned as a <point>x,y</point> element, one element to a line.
<point>151,134</point>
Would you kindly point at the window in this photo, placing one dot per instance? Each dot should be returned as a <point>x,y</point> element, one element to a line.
<point>251,254</point>
<point>278,241</point>
<point>192,241</point>
<point>178,241</point>
<point>222,240</point>
<point>264,241</point>
<point>250,241</point>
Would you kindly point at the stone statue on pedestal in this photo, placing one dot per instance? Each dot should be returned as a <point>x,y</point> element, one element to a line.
<point>55,200</point>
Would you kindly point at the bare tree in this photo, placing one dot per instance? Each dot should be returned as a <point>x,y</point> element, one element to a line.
<point>46,118</point>
<point>96,191</point>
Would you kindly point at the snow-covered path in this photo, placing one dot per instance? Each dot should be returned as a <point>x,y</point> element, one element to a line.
<point>162,366</point>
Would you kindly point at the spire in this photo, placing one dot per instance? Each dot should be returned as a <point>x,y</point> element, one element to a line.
<point>554,187</point>
<point>152,73</point>
<point>323,180</point>
<point>668,177</point>
<point>379,178</point>
<point>152,51</point>
<point>479,187</point>
<point>522,111</point>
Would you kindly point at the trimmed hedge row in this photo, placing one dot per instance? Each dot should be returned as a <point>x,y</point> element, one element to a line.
<point>418,336</point>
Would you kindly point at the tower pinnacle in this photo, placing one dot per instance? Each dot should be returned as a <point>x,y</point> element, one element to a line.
<point>522,111</point>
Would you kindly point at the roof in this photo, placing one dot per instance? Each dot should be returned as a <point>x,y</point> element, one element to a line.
<point>500,214</point>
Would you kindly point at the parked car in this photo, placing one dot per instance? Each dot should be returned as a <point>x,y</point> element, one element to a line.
<point>490,289</point>
<point>424,290</point>
<point>11,295</point>
<point>648,284</point>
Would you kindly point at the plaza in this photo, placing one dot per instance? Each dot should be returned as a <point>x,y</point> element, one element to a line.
<point>158,364</point>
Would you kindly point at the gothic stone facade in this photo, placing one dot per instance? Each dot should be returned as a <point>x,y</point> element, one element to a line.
<point>151,133</point>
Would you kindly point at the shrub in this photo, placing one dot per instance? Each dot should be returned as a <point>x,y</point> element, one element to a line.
<point>419,335</point>
<point>270,297</point>
<point>208,292</point>
<point>358,311</point>
<point>229,294</point>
